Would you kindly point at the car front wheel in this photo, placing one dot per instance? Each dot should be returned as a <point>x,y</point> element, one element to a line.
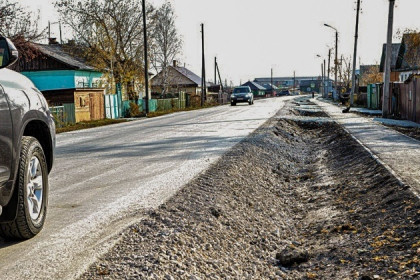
<point>32,192</point>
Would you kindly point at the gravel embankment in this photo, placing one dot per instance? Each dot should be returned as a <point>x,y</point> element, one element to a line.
<point>295,200</point>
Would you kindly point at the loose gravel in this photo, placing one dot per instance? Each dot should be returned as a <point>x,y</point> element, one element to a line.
<point>298,199</point>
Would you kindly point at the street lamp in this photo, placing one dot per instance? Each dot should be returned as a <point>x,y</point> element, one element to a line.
<point>336,59</point>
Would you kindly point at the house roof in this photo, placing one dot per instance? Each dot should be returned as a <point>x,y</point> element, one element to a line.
<point>189,74</point>
<point>405,48</point>
<point>394,57</point>
<point>57,52</point>
<point>254,86</point>
<point>270,87</point>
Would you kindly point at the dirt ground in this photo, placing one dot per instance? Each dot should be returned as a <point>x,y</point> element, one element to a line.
<point>298,199</point>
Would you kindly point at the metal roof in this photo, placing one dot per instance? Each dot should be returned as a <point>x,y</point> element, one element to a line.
<point>254,86</point>
<point>189,74</point>
<point>57,52</point>
<point>394,57</point>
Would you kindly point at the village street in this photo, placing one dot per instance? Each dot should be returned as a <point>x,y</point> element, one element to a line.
<point>104,177</point>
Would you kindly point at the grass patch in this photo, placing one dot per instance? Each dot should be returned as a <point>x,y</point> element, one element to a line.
<point>90,124</point>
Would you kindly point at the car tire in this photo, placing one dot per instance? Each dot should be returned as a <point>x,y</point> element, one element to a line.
<point>232,104</point>
<point>32,193</point>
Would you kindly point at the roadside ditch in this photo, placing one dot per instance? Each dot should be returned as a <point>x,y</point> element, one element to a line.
<point>297,199</point>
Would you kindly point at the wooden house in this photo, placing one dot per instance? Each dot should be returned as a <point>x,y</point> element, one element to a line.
<point>65,80</point>
<point>178,79</point>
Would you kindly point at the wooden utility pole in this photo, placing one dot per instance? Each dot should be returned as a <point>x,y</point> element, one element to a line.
<point>356,36</point>
<point>146,62</point>
<point>272,86</point>
<point>387,74</point>
<point>325,73</point>
<point>203,69</point>
<point>329,67</point>
<point>215,70</point>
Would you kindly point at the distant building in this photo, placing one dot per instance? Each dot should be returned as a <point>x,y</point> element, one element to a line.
<point>305,84</point>
<point>256,89</point>
<point>179,79</point>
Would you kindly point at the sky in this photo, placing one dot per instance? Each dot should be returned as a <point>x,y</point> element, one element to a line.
<point>252,37</point>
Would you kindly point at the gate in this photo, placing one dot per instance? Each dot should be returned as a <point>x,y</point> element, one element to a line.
<point>111,106</point>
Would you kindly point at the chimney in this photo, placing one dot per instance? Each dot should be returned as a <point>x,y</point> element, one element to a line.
<point>52,41</point>
<point>175,63</point>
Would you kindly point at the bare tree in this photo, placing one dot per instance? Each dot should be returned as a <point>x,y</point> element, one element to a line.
<point>345,72</point>
<point>21,26</point>
<point>167,43</point>
<point>111,33</point>
<point>370,75</point>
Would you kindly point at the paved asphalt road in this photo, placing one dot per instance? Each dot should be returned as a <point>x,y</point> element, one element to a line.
<point>105,177</point>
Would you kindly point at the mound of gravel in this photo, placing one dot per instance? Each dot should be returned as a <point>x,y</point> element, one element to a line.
<point>295,200</point>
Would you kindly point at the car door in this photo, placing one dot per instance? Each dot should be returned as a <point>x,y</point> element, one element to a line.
<point>5,139</point>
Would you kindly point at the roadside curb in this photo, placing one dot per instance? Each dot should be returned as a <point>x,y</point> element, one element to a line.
<point>375,157</point>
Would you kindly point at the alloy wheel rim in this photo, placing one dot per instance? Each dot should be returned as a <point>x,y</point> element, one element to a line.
<point>34,188</point>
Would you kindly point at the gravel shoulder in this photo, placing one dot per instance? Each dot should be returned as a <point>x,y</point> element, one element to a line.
<point>298,199</point>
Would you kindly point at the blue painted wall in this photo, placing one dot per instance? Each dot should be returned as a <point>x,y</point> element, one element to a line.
<point>62,79</point>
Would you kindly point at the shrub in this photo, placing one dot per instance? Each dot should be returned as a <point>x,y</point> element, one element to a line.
<point>134,110</point>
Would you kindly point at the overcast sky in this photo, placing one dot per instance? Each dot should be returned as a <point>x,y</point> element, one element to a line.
<point>250,37</point>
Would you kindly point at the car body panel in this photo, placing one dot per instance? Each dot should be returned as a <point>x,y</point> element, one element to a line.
<point>25,104</point>
<point>5,139</point>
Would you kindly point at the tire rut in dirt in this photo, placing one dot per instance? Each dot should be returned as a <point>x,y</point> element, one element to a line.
<point>297,199</point>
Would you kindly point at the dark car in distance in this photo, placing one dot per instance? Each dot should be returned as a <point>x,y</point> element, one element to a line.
<point>284,92</point>
<point>241,95</point>
<point>27,143</point>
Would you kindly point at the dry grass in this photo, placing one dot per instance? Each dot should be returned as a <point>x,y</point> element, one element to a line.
<point>90,124</point>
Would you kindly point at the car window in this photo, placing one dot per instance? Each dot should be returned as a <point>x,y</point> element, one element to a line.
<point>241,90</point>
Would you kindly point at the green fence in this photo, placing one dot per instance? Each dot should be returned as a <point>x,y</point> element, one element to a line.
<point>156,105</point>
<point>64,114</point>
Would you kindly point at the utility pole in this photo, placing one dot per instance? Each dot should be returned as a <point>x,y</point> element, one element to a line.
<point>220,79</point>
<point>329,67</point>
<point>203,69</point>
<point>356,36</point>
<point>294,81</point>
<point>215,70</point>
<point>146,63</point>
<point>325,73</point>
<point>336,65</point>
<point>387,74</point>
<point>272,86</point>
<point>335,95</point>
<point>322,77</point>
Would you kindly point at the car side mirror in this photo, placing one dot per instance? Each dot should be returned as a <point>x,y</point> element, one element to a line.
<point>8,53</point>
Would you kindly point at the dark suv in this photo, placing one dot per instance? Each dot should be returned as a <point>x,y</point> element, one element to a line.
<point>27,142</point>
<point>241,94</point>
